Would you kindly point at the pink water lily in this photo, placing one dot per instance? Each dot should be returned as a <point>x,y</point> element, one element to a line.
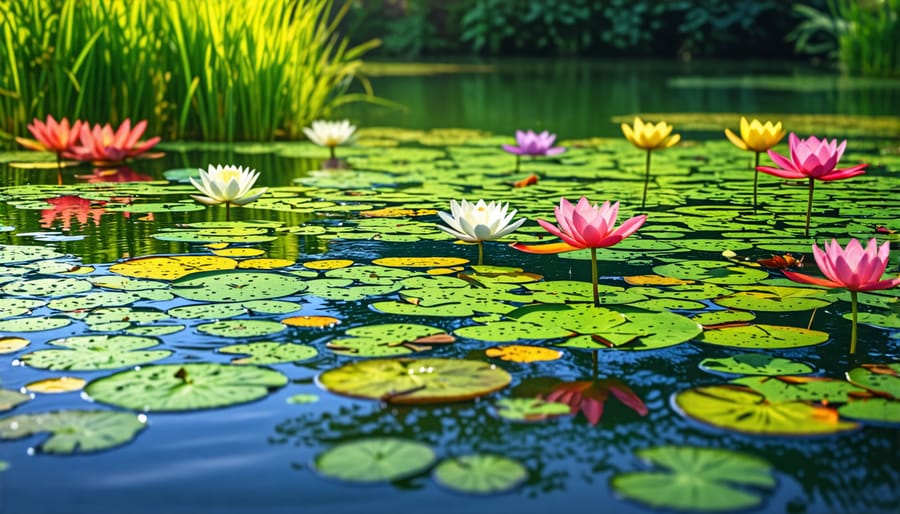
<point>533,144</point>
<point>585,226</point>
<point>102,144</point>
<point>812,159</point>
<point>854,268</point>
<point>52,136</point>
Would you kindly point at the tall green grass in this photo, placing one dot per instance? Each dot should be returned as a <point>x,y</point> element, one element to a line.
<point>204,69</point>
<point>870,43</point>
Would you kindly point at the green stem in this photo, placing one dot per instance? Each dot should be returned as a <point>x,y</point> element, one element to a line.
<point>855,309</point>
<point>480,253</point>
<point>646,181</point>
<point>809,205</point>
<point>331,148</point>
<point>594,278</point>
<point>518,159</point>
<point>755,180</point>
<point>227,211</point>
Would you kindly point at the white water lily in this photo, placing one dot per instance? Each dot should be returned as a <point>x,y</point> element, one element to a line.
<point>227,184</point>
<point>330,133</point>
<point>480,221</point>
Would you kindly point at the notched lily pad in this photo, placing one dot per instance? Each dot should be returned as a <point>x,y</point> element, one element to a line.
<point>270,352</point>
<point>376,459</point>
<point>480,474</point>
<point>85,353</point>
<point>75,431</point>
<point>754,364</point>
<point>389,340</point>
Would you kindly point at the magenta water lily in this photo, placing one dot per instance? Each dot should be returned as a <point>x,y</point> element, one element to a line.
<point>533,144</point>
<point>812,159</point>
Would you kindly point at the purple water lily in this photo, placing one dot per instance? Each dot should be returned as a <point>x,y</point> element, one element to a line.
<point>531,143</point>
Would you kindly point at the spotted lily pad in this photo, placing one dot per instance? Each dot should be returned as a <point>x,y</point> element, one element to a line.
<point>480,474</point>
<point>270,352</point>
<point>75,431</point>
<point>389,340</point>
<point>241,328</point>
<point>37,324</point>
<point>179,387</point>
<point>763,336</point>
<point>376,459</point>
<point>880,378</point>
<point>714,272</point>
<point>776,299</point>
<point>742,409</point>
<point>696,479</point>
<point>410,381</point>
<point>523,353</point>
<point>171,268</point>
<point>236,286</point>
<point>47,287</point>
<point>814,389</point>
<point>754,364</point>
<point>96,352</point>
<point>530,409</point>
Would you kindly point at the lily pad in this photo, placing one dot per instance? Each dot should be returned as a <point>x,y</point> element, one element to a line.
<point>236,286</point>
<point>872,410</point>
<point>754,364</point>
<point>75,431</point>
<point>714,272</point>
<point>814,389</point>
<point>47,287</point>
<point>171,268</point>
<point>763,336</point>
<point>179,387</point>
<point>389,340</point>
<point>377,459</point>
<point>480,474</point>
<point>696,479</point>
<point>9,399</point>
<point>523,353</point>
<point>776,299</point>
<point>56,385</point>
<point>241,328</point>
<point>270,352</point>
<point>12,344</point>
<point>411,381</point>
<point>37,324</point>
<point>742,409</point>
<point>530,409</point>
<point>881,378</point>
<point>94,352</point>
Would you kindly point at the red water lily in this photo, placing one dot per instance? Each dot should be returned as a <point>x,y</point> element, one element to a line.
<point>590,396</point>
<point>102,144</point>
<point>52,136</point>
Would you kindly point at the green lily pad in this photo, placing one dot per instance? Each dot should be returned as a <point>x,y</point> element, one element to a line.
<point>877,319</point>
<point>376,459</point>
<point>38,324</point>
<point>410,381</point>
<point>389,340</point>
<point>179,387</point>
<point>11,307</point>
<point>241,328</point>
<point>340,289</point>
<point>754,364</point>
<point>236,286</point>
<point>530,409</point>
<point>93,352</point>
<point>9,399</point>
<point>710,319</point>
<point>299,399</point>
<point>98,299</point>
<point>763,336</point>
<point>10,254</point>
<point>881,378</point>
<point>741,409</point>
<point>714,272</point>
<point>75,431</point>
<point>776,299</point>
<point>270,352</point>
<point>371,274</point>
<point>642,331</point>
<point>813,389</point>
<point>696,479</point>
<point>480,474</point>
<point>872,410</point>
<point>565,291</point>
<point>47,287</point>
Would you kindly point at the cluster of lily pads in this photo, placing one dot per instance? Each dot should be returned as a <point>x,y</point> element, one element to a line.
<point>120,331</point>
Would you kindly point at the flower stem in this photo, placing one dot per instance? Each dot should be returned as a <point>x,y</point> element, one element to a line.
<point>59,169</point>
<point>331,148</point>
<point>227,211</point>
<point>480,253</point>
<point>809,206</point>
<point>594,278</point>
<point>755,179</point>
<point>855,310</point>
<point>518,159</point>
<point>646,180</point>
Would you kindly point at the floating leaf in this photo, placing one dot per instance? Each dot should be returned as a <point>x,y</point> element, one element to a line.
<point>236,286</point>
<point>264,263</point>
<point>696,479</point>
<point>56,385</point>
<point>480,474</point>
<point>240,252</point>
<point>776,299</point>
<point>178,387</point>
<point>38,324</point>
<point>389,340</point>
<point>96,352</point>
<point>763,336</point>
<point>419,262</point>
<point>717,318</point>
<point>872,410</point>
<point>881,378</point>
<point>311,321</point>
<point>47,287</point>
<point>171,268</point>
<point>410,381</point>
<point>13,344</point>
<point>754,364</point>
<point>241,328</point>
<point>376,459</point>
<point>523,353</point>
<point>714,272</point>
<point>327,264</point>
<point>75,431</point>
<point>530,409</point>
<point>270,352</point>
<point>655,280</point>
<point>814,389</point>
<point>565,291</point>
<point>299,399</point>
<point>741,409</point>
<point>9,399</point>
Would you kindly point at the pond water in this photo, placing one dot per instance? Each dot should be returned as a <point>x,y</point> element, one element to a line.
<point>311,250</point>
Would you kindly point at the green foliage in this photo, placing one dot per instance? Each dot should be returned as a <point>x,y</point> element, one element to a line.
<point>207,69</point>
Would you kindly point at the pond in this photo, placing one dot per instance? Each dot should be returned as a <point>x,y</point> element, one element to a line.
<point>172,360</point>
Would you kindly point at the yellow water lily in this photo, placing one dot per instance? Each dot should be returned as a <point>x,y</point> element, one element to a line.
<point>227,184</point>
<point>756,137</point>
<point>649,137</point>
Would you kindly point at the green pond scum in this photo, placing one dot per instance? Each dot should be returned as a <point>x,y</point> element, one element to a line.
<point>329,347</point>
